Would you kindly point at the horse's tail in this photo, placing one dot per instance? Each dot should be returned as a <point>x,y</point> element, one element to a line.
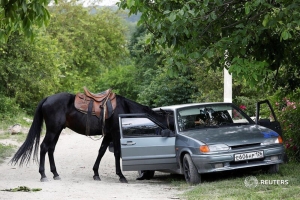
<point>32,140</point>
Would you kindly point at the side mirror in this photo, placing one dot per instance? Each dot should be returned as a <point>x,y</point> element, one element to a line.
<point>167,133</point>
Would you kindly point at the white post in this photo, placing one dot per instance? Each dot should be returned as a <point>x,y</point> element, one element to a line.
<point>227,80</point>
<point>227,86</point>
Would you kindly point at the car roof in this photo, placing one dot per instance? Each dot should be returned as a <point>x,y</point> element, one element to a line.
<point>175,107</point>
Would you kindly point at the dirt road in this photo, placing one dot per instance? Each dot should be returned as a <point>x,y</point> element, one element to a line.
<point>75,155</point>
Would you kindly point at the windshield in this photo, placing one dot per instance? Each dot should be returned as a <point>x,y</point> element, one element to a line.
<point>210,116</point>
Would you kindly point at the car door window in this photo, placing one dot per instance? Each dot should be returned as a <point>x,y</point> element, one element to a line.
<point>140,127</point>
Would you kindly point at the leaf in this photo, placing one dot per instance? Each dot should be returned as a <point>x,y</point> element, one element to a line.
<point>166,12</point>
<point>284,35</point>
<point>266,20</point>
<point>247,8</point>
<point>181,12</point>
<point>24,6</point>
<point>130,3</point>
<point>172,17</point>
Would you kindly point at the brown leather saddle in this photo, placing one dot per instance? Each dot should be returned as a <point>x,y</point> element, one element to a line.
<point>101,105</point>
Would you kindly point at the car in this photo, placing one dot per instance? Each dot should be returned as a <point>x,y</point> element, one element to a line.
<point>207,138</point>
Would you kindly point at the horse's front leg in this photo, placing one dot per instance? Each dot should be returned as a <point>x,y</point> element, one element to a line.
<point>102,150</point>
<point>117,153</point>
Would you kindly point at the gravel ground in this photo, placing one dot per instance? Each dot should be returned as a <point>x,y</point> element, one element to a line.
<point>75,155</point>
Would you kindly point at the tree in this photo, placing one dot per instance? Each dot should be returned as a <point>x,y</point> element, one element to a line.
<point>262,37</point>
<point>30,71</point>
<point>93,40</point>
<point>156,86</point>
<point>22,16</point>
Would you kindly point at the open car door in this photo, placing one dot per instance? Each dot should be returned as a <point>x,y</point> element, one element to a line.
<point>266,117</point>
<point>146,144</point>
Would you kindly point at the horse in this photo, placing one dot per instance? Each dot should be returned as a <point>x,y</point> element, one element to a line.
<point>58,112</point>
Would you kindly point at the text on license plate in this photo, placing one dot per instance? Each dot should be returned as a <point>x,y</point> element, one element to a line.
<point>249,156</point>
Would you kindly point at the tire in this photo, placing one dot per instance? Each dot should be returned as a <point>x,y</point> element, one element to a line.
<point>190,171</point>
<point>273,169</point>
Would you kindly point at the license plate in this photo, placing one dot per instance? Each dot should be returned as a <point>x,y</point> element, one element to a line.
<point>249,156</point>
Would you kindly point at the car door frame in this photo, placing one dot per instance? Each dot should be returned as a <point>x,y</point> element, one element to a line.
<point>274,125</point>
<point>144,153</point>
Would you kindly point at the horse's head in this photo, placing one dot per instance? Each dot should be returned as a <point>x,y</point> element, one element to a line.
<point>169,119</point>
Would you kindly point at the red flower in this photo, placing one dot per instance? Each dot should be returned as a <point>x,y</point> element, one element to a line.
<point>243,107</point>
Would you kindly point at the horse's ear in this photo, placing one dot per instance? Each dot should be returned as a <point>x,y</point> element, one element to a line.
<point>163,111</point>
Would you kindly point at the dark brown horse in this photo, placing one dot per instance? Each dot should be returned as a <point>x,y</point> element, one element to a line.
<point>58,112</point>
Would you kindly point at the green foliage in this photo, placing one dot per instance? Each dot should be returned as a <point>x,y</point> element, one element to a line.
<point>74,51</point>
<point>260,36</point>
<point>22,16</point>
<point>8,107</point>
<point>165,90</point>
<point>210,84</point>
<point>289,116</point>
<point>28,68</point>
<point>92,43</point>
<point>121,79</point>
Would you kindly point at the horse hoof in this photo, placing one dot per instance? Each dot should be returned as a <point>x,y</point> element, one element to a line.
<point>56,178</point>
<point>97,178</point>
<point>123,180</point>
<point>44,179</point>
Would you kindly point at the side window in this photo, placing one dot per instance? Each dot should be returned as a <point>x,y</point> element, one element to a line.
<point>140,127</point>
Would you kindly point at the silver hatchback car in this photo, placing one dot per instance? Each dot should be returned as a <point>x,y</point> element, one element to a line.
<point>208,137</point>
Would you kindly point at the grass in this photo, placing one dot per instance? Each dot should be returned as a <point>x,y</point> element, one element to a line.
<point>6,151</point>
<point>230,185</point>
<point>5,124</point>
<point>8,121</point>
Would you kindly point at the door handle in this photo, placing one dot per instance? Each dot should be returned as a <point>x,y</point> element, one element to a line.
<point>129,143</point>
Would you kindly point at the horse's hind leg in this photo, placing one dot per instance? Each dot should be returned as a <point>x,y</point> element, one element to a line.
<point>48,145</point>
<point>51,158</point>
<point>105,143</point>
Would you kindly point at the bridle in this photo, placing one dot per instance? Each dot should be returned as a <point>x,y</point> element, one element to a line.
<point>168,121</point>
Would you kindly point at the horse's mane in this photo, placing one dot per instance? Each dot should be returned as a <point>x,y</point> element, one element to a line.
<point>135,107</point>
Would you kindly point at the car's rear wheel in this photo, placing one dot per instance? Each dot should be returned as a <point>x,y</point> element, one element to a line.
<point>190,171</point>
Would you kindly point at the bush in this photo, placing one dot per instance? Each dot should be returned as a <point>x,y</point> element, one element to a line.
<point>8,108</point>
<point>289,115</point>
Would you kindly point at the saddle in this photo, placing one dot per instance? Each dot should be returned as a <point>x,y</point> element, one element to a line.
<point>104,101</point>
<point>102,105</point>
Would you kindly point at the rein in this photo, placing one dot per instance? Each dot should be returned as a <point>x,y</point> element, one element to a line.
<point>168,121</point>
<point>104,106</point>
<point>104,111</point>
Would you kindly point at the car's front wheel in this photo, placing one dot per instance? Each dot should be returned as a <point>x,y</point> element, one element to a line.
<point>273,169</point>
<point>190,171</point>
